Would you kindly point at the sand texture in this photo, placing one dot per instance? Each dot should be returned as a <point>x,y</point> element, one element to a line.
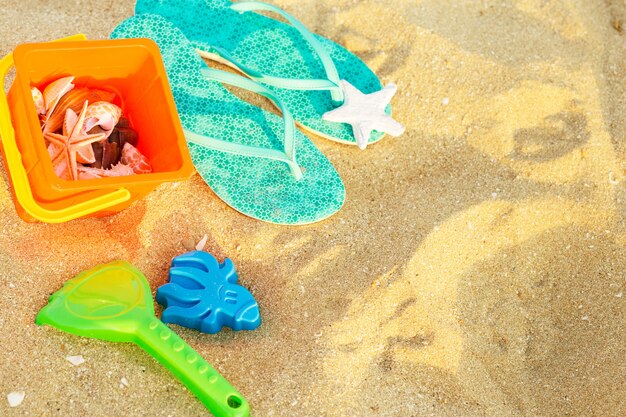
<point>477,268</point>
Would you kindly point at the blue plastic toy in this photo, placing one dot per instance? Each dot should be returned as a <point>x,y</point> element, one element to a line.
<point>203,294</point>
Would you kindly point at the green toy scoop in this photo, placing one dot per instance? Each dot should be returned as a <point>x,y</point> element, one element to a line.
<point>113,302</point>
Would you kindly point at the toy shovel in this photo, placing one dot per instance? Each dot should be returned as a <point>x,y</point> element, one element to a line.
<point>113,302</point>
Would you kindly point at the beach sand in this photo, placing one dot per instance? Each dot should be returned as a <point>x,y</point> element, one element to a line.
<point>477,268</point>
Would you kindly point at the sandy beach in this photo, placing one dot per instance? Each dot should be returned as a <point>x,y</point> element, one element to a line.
<point>476,269</point>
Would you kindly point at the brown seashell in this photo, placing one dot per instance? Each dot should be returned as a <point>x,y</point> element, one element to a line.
<point>127,135</point>
<point>110,154</point>
<point>115,137</point>
<point>98,149</point>
<point>123,122</point>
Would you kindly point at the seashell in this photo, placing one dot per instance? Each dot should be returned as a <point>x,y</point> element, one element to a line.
<point>110,154</point>
<point>109,151</point>
<point>127,135</point>
<point>54,91</point>
<point>59,162</point>
<point>40,104</point>
<point>124,122</point>
<point>88,173</point>
<point>103,114</point>
<point>119,170</point>
<point>98,151</point>
<point>134,159</point>
<point>74,100</point>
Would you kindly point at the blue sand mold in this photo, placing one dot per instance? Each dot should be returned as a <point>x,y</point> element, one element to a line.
<point>203,294</point>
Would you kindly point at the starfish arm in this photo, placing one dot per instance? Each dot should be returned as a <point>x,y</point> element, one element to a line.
<point>340,115</point>
<point>56,154</point>
<point>82,145</point>
<point>59,155</point>
<point>73,164</point>
<point>85,140</point>
<point>78,124</point>
<point>57,159</point>
<point>366,112</point>
<point>385,95</point>
<point>55,138</point>
<point>88,139</point>
<point>60,167</point>
<point>388,125</point>
<point>362,132</point>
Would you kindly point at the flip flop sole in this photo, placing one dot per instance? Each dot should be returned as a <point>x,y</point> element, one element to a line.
<point>260,188</point>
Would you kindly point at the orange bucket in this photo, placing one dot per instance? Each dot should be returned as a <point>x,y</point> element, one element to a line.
<point>131,68</point>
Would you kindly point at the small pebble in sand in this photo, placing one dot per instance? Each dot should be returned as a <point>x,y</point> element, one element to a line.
<point>585,318</point>
<point>124,383</point>
<point>75,360</point>
<point>445,101</point>
<point>15,398</point>
<point>11,285</point>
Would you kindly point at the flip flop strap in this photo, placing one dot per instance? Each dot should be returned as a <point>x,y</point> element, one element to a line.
<point>289,154</point>
<point>331,84</point>
<point>285,83</point>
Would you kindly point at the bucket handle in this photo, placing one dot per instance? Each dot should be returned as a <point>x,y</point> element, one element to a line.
<point>19,177</point>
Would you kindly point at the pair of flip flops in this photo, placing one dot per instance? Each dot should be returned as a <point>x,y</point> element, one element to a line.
<point>257,162</point>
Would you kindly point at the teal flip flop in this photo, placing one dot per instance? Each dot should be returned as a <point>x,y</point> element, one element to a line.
<point>312,75</point>
<point>258,163</point>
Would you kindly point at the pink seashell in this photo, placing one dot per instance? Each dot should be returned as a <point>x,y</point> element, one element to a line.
<point>103,114</point>
<point>40,104</point>
<point>119,170</point>
<point>54,91</point>
<point>134,159</point>
<point>59,162</point>
<point>86,173</point>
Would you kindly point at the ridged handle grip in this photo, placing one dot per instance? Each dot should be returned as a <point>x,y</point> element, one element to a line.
<point>192,370</point>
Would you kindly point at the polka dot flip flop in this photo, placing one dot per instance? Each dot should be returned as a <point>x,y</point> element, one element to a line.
<point>255,161</point>
<point>329,90</point>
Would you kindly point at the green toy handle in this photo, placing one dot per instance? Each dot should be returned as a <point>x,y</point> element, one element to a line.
<point>190,368</point>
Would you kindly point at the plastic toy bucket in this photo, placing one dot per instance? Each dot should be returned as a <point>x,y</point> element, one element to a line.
<point>133,69</point>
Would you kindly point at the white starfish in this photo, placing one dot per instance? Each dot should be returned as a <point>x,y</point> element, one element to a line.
<point>365,112</point>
